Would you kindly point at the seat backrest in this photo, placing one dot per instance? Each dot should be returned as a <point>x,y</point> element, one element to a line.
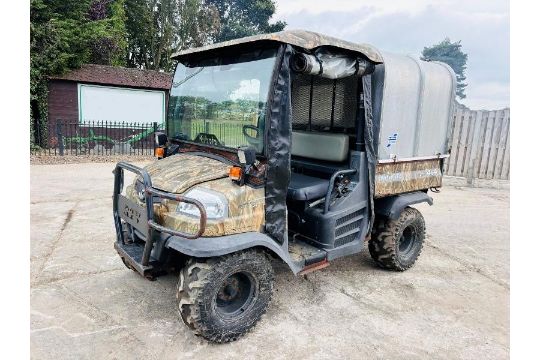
<point>320,146</point>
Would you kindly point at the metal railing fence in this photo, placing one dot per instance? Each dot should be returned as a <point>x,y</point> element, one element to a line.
<point>95,138</point>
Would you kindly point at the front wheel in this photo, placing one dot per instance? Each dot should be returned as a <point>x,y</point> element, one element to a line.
<point>396,244</point>
<point>222,298</point>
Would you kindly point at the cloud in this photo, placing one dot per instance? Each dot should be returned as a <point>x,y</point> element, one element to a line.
<point>286,8</point>
<point>408,26</point>
<point>488,96</point>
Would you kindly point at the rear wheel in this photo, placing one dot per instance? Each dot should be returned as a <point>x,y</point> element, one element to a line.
<point>396,244</point>
<point>222,298</point>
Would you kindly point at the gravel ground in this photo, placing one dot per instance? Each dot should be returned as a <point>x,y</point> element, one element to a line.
<point>80,159</point>
<point>453,304</point>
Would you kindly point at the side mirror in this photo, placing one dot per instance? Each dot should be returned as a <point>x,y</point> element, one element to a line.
<point>161,139</point>
<point>247,155</point>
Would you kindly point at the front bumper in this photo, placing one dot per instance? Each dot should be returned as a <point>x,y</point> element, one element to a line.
<point>141,218</point>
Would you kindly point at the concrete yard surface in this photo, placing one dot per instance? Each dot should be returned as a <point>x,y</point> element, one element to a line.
<point>453,304</point>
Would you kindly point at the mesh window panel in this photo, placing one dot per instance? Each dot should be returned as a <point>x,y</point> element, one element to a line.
<point>321,113</point>
<point>300,100</point>
<point>346,102</point>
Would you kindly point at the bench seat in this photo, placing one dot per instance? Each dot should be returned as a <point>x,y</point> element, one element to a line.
<point>306,188</point>
<point>318,151</point>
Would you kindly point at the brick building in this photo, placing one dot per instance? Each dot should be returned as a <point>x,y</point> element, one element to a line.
<point>108,93</point>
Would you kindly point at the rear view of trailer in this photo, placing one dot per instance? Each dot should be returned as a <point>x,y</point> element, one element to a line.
<point>412,111</point>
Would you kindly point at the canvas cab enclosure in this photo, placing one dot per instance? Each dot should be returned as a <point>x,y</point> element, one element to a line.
<point>330,99</point>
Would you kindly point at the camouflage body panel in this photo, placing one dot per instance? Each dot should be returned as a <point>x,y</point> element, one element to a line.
<point>400,177</point>
<point>246,210</point>
<point>304,39</point>
<point>178,173</point>
<point>255,177</point>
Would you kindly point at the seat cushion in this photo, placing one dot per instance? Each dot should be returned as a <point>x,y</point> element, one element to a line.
<point>320,146</point>
<point>302,187</point>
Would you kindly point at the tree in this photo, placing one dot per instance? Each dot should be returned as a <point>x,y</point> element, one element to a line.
<point>451,54</point>
<point>239,18</point>
<point>107,32</point>
<point>158,28</point>
<point>64,34</point>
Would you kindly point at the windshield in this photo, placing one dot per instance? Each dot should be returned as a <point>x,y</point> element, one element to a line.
<point>222,101</point>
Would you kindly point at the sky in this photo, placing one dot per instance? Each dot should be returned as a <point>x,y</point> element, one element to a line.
<point>407,26</point>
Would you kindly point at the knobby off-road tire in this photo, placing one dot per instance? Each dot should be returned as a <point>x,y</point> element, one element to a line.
<point>396,244</point>
<point>222,298</point>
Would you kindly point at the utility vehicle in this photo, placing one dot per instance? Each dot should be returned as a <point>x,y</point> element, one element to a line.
<point>294,146</point>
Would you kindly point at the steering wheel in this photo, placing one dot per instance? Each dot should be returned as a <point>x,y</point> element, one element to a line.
<point>205,138</point>
<point>252,140</point>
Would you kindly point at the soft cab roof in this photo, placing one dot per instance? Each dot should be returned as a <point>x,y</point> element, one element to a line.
<point>305,39</point>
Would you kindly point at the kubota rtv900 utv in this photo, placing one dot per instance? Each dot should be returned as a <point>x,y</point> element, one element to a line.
<point>294,146</point>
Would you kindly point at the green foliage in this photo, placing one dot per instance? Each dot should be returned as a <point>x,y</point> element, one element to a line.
<point>239,18</point>
<point>106,33</point>
<point>66,34</point>
<point>451,54</point>
<point>158,28</point>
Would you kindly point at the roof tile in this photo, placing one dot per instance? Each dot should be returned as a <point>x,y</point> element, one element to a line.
<point>119,76</point>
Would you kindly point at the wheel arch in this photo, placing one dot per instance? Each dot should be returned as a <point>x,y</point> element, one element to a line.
<point>392,206</point>
<point>207,247</point>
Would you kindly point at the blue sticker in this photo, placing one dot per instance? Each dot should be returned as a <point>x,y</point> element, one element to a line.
<point>392,139</point>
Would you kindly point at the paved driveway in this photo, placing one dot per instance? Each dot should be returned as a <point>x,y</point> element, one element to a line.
<point>453,304</point>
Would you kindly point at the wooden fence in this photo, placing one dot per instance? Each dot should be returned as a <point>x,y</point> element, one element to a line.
<point>480,144</point>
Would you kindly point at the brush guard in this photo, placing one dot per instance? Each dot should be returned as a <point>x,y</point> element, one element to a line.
<point>127,211</point>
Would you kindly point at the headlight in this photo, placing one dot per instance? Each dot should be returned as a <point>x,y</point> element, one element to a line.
<point>215,204</point>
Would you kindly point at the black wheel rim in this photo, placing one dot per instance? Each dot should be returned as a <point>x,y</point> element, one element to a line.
<point>236,294</point>
<point>407,242</point>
